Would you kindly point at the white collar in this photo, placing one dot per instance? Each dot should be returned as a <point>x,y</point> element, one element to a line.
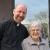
<point>17,24</point>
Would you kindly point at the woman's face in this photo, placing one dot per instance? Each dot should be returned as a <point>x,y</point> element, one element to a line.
<point>35,32</point>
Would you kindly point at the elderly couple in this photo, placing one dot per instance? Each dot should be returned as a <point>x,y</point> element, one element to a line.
<point>14,35</point>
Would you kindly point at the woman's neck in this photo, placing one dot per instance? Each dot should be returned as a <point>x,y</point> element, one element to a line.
<point>36,39</point>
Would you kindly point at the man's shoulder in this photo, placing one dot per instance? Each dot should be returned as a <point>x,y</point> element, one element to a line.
<point>5,23</point>
<point>23,27</point>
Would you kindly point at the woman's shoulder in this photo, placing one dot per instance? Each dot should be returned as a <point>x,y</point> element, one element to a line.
<point>26,40</point>
<point>45,41</point>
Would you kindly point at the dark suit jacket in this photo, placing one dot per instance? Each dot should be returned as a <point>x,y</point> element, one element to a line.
<point>11,35</point>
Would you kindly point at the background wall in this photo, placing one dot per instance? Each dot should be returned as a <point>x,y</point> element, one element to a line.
<point>6,7</point>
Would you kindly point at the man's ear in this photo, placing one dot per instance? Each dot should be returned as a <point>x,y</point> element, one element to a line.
<point>13,11</point>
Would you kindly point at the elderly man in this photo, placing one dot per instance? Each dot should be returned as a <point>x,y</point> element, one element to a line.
<point>35,41</point>
<point>12,32</point>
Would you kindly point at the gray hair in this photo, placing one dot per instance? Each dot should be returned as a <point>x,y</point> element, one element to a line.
<point>35,23</point>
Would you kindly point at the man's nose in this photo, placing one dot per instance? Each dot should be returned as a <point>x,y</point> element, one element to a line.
<point>21,14</point>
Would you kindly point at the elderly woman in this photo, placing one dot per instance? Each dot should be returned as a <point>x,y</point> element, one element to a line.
<point>35,41</point>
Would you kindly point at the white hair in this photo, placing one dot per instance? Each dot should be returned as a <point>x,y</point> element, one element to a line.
<point>35,23</point>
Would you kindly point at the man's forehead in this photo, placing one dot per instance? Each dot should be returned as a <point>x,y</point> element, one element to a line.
<point>21,6</point>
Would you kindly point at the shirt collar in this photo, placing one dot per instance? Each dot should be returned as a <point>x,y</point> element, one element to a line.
<point>17,24</point>
<point>31,42</point>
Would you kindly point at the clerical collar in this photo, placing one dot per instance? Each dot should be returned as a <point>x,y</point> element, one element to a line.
<point>17,24</point>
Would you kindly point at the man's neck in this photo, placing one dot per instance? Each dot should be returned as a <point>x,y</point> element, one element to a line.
<point>16,21</point>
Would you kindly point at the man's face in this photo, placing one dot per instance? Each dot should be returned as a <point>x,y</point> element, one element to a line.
<point>35,32</point>
<point>19,13</point>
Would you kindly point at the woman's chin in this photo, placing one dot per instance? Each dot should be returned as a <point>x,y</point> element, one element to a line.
<point>36,37</point>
